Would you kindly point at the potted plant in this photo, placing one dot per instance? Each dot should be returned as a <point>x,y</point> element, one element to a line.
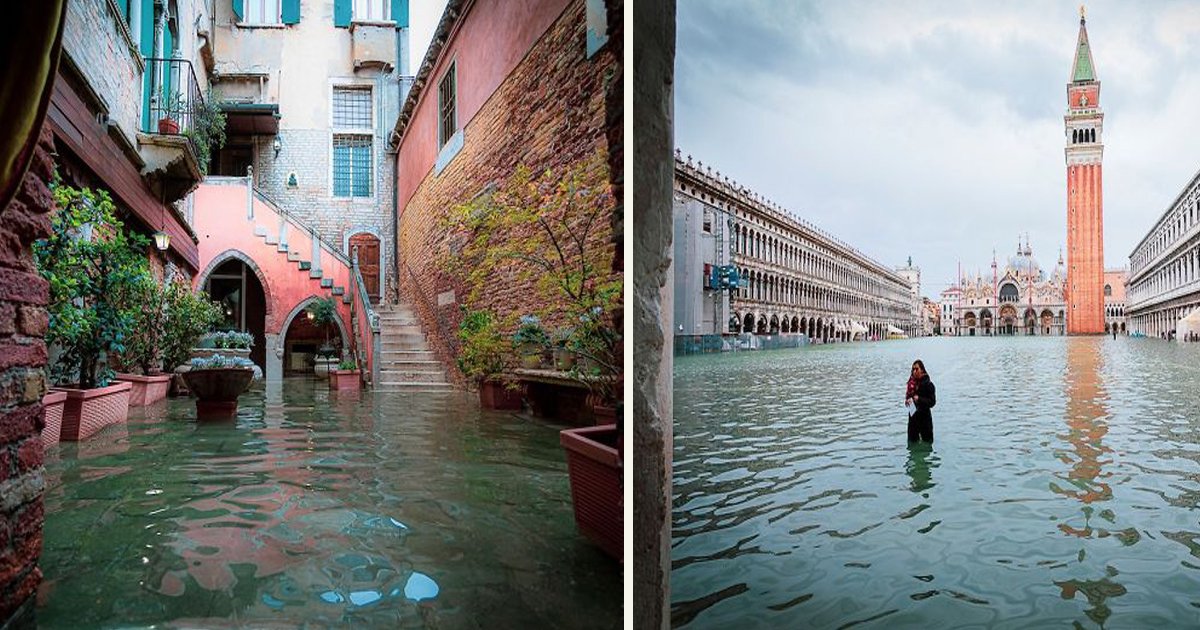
<point>147,299</point>
<point>547,232</point>
<point>90,263</point>
<point>172,106</point>
<point>531,341</point>
<point>563,353</point>
<point>189,315</point>
<point>53,404</point>
<point>216,381</point>
<point>482,358</point>
<point>347,376</point>
<point>323,313</point>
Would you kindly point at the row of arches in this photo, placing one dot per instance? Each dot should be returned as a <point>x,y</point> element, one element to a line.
<point>816,327</point>
<point>768,287</point>
<point>1080,136</point>
<point>1163,322</point>
<point>1185,216</point>
<point>1182,270</point>
<point>809,261</point>
<point>1009,321</point>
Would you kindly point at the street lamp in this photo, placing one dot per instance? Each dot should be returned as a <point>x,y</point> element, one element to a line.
<point>162,240</point>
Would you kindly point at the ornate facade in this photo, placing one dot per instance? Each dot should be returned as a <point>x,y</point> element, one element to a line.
<point>796,278</point>
<point>1018,299</point>
<point>1164,268</point>
<point>1115,283</point>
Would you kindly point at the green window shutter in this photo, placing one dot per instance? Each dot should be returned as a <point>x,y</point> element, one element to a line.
<point>400,13</point>
<point>341,12</point>
<point>146,28</point>
<point>237,10</point>
<point>291,11</point>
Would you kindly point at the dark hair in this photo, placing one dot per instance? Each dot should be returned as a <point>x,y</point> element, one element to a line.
<point>923,370</point>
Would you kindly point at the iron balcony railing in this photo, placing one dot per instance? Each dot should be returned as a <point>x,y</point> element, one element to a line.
<point>173,96</point>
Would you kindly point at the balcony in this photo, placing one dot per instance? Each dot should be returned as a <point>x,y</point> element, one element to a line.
<point>172,107</point>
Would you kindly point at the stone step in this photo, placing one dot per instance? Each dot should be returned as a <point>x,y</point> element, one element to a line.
<point>396,376</point>
<point>304,265</point>
<point>397,313</point>
<point>403,345</point>
<point>408,355</point>
<point>282,247</point>
<point>271,238</point>
<point>326,283</point>
<point>315,273</point>
<point>346,299</point>
<point>387,329</point>
<point>416,366</point>
<point>260,231</point>
<point>415,387</point>
<point>337,290</point>
<point>293,256</point>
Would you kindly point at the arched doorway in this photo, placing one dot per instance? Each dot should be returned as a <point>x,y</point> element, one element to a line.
<point>238,289</point>
<point>748,326</point>
<point>1008,318</point>
<point>302,339</point>
<point>368,262</point>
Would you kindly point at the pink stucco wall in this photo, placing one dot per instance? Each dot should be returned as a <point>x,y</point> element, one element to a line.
<point>485,46</point>
<point>221,224</point>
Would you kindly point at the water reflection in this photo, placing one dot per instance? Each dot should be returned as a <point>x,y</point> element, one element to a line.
<point>1086,418</point>
<point>920,466</point>
<point>368,511</point>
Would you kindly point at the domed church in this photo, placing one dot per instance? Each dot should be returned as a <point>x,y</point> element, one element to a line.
<point>1018,299</point>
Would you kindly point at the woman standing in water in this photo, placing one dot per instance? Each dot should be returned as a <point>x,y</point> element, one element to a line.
<point>923,396</point>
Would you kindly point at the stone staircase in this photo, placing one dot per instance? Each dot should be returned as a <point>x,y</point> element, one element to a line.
<point>405,361</point>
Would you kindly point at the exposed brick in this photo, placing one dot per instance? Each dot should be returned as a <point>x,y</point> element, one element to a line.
<point>23,286</point>
<point>6,470</point>
<point>8,318</point>
<point>14,353</point>
<point>28,520</point>
<point>25,584</point>
<point>29,455</point>
<point>34,320</point>
<point>19,423</point>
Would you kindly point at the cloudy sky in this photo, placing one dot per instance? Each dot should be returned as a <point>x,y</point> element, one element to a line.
<point>935,129</point>
<point>423,18</point>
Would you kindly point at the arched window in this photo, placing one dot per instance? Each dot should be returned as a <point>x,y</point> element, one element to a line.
<point>1108,290</point>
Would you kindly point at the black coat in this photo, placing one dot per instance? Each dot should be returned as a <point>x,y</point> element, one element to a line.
<point>926,397</point>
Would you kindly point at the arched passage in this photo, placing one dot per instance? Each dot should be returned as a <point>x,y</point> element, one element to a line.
<point>301,339</point>
<point>234,281</point>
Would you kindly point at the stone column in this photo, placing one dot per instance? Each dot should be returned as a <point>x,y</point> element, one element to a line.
<point>653,174</point>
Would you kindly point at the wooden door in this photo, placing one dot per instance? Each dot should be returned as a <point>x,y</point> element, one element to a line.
<point>368,262</point>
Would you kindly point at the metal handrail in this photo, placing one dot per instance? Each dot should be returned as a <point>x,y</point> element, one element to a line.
<point>312,232</point>
<point>174,95</point>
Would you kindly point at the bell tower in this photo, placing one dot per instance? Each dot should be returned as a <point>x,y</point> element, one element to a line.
<point>1085,199</point>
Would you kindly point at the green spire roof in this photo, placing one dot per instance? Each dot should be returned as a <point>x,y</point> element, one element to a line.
<point>1083,70</point>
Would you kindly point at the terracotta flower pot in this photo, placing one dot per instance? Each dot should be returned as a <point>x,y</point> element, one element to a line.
<point>345,380</point>
<point>88,410</point>
<point>53,404</point>
<point>146,390</point>
<point>594,467</point>
<point>217,390</point>
<point>168,126</point>
<point>496,395</point>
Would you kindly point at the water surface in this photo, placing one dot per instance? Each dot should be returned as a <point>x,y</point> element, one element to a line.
<point>365,510</point>
<point>1062,486</point>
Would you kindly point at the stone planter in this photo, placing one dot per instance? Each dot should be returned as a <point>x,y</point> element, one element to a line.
<point>146,390</point>
<point>594,468</point>
<point>204,353</point>
<point>345,380</point>
<point>564,359</point>
<point>532,355</point>
<point>217,390</point>
<point>322,366</point>
<point>53,404</point>
<point>496,395</point>
<point>88,410</point>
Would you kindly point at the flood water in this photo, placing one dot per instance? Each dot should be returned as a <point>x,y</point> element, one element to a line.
<point>1062,487</point>
<point>317,509</point>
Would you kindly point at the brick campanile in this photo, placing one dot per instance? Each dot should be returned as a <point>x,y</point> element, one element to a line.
<point>1085,199</point>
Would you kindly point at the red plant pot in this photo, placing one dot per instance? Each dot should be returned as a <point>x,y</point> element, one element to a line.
<point>496,395</point>
<point>217,390</point>
<point>88,410</point>
<point>168,126</point>
<point>594,468</point>
<point>52,405</point>
<point>345,380</point>
<point>146,390</point>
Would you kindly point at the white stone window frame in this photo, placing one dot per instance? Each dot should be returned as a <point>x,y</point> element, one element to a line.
<point>263,10</point>
<point>335,132</point>
<point>371,11</point>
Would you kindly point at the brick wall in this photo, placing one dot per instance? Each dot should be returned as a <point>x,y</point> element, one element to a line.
<point>23,295</point>
<point>93,39</point>
<point>550,113</point>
